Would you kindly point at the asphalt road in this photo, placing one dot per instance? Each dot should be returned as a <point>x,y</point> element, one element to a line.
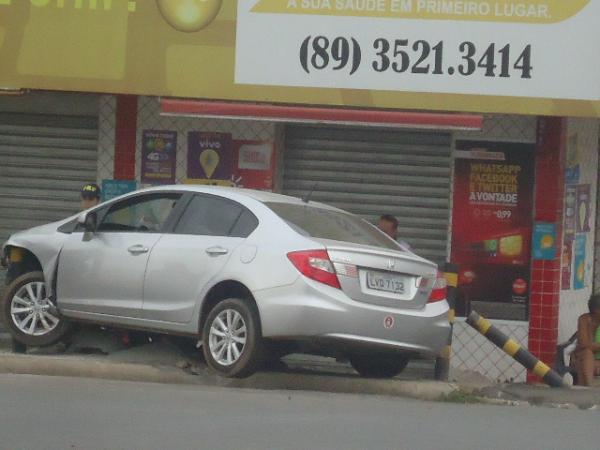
<point>74,413</point>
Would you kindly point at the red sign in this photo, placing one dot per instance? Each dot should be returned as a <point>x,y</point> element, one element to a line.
<point>492,220</point>
<point>520,286</point>
<point>254,164</point>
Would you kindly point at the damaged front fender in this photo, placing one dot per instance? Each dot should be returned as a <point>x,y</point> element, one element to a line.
<point>44,243</point>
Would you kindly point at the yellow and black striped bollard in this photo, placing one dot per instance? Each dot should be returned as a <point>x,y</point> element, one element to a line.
<point>514,349</point>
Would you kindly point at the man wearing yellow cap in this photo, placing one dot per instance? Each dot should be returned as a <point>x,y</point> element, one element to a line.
<point>90,196</point>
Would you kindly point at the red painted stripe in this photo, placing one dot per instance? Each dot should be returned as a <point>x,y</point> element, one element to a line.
<point>125,134</point>
<point>317,114</point>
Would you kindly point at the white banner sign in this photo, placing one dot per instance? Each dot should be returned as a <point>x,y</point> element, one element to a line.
<point>545,49</point>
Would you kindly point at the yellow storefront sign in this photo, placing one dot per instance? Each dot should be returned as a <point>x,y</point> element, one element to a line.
<point>531,11</point>
<point>207,49</point>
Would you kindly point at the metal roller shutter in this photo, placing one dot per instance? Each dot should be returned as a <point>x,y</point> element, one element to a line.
<point>371,172</point>
<point>44,161</point>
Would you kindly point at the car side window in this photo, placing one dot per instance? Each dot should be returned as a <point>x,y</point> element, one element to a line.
<point>208,215</point>
<point>69,227</point>
<point>145,213</point>
<point>245,225</point>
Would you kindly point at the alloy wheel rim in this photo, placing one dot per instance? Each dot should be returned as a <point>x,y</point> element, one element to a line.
<point>32,311</point>
<point>227,337</point>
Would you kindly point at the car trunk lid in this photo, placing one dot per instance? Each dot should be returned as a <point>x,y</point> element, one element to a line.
<point>380,276</point>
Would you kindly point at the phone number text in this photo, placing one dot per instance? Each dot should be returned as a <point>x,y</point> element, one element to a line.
<point>421,57</point>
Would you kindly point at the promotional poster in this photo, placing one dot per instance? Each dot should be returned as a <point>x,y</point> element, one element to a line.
<point>566,266</point>
<point>210,157</point>
<point>115,188</point>
<point>570,224</point>
<point>255,163</point>
<point>492,220</point>
<point>544,241</point>
<point>584,208</point>
<point>159,153</point>
<point>579,261</point>
<point>577,223</point>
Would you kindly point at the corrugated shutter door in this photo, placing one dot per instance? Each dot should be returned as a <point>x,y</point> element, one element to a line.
<point>44,161</point>
<point>371,172</point>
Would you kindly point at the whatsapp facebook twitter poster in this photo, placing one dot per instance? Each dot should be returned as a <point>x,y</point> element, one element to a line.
<point>492,220</point>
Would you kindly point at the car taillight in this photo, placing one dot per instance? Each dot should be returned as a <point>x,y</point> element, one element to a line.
<point>316,265</point>
<point>438,293</point>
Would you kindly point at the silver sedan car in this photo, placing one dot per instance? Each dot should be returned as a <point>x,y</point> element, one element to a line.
<point>249,274</point>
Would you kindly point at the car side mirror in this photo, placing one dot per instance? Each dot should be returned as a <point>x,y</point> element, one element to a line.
<point>89,221</point>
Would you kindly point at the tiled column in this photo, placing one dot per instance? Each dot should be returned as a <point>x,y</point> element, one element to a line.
<point>125,134</point>
<point>545,275</point>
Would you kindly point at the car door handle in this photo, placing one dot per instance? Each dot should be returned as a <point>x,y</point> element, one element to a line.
<point>217,251</point>
<point>138,249</point>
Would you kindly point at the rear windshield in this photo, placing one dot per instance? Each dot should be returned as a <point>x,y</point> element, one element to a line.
<point>322,223</point>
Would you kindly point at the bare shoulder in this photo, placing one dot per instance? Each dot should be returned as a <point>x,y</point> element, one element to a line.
<point>584,317</point>
<point>584,320</point>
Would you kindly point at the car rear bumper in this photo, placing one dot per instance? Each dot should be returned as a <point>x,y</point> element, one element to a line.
<point>309,309</point>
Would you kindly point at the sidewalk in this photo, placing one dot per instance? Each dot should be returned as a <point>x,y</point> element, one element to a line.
<point>101,354</point>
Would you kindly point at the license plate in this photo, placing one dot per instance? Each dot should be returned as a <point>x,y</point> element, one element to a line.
<point>386,282</point>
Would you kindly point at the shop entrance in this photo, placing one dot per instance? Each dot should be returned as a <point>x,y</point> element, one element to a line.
<point>371,172</point>
<point>48,150</point>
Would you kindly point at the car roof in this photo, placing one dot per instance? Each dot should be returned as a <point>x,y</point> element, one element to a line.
<point>261,196</point>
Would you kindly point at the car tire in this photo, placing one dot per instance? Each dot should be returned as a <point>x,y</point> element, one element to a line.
<point>232,339</point>
<point>30,317</point>
<point>379,366</point>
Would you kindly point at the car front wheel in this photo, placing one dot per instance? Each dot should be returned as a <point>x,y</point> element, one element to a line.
<point>30,315</point>
<point>232,342</point>
<point>379,366</point>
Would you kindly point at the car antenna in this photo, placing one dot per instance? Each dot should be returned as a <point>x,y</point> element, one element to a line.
<point>308,196</point>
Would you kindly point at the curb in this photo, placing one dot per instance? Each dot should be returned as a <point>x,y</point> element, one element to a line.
<point>421,390</point>
<point>566,398</point>
<point>71,366</point>
<point>88,368</point>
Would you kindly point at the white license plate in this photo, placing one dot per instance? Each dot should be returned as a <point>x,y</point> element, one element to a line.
<point>386,282</point>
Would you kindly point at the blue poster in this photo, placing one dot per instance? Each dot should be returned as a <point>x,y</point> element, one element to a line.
<point>115,188</point>
<point>579,260</point>
<point>572,174</point>
<point>544,241</point>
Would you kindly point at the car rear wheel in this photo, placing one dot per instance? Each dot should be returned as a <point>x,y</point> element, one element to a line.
<point>30,315</point>
<point>232,341</point>
<point>379,366</point>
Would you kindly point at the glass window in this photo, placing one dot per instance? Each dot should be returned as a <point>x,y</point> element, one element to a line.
<point>245,225</point>
<point>324,223</point>
<point>214,216</point>
<point>146,213</point>
<point>69,227</point>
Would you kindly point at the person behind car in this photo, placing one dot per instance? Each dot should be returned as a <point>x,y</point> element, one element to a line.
<point>389,225</point>
<point>90,196</point>
<point>587,352</point>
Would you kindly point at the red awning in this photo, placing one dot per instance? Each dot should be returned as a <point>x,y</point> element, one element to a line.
<point>308,114</point>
